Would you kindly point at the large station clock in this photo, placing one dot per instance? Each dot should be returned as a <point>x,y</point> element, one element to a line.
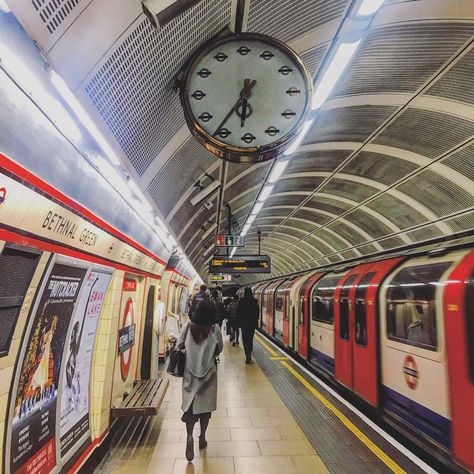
<point>246,97</point>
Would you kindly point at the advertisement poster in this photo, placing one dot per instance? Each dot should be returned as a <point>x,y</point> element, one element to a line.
<point>74,409</point>
<point>33,447</point>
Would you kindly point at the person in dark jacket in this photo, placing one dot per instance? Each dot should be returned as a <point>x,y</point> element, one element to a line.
<point>232,320</point>
<point>219,307</point>
<point>198,297</point>
<point>247,316</point>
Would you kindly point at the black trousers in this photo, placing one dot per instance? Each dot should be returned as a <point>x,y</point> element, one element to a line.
<point>247,339</point>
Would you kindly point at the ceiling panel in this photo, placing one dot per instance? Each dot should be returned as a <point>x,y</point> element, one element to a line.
<point>289,19</point>
<point>401,58</point>
<point>135,89</point>
<point>347,124</point>
<point>316,161</point>
<point>426,132</point>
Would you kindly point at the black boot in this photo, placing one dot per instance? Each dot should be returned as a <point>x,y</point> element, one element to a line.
<point>190,448</point>
<point>202,442</point>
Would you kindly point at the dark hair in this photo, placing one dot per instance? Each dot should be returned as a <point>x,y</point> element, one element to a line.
<point>248,292</point>
<point>200,332</point>
<point>203,287</point>
<point>215,294</point>
<point>236,297</point>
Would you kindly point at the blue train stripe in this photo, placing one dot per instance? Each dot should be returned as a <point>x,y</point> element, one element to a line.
<point>322,360</point>
<point>418,417</point>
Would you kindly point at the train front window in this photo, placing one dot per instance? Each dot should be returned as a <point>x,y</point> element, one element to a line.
<point>469,312</point>
<point>411,305</point>
<point>360,327</point>
<point>323,299</point>
<point>344,307</point>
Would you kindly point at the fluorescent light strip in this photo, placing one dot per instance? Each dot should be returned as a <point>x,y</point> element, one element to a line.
<point>251,218</point>
<point>369,7</point>
<point>83,116</point>
<point>4,7</point>
<point>257,208</point>
<point>266,191</point>
<point>300,137</point>
<point>277,170</point>
<point>232,253</point>
<point>336,67</point>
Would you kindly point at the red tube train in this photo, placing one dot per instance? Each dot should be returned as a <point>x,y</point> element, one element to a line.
<point>397,333</point>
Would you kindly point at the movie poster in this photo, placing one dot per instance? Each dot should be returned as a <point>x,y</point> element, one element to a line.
<point>33,449</point>
<point>75,387</point>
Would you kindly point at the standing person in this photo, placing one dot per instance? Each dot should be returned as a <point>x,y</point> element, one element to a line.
<point>198,297</point>
<point>219,307</point>
<point>247,316</point>
<point>233,321</point>
<point>203,342</point>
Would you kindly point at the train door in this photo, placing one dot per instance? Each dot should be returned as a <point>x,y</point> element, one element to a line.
<point>366,333</point>
<point>459,327</point>
<point>343,324</point>
<point>414,367</point>
<point>147,345</point>
<point>290,295</point>
<point>302,319</point>
<point>321,350</point>
<point>279,311</point>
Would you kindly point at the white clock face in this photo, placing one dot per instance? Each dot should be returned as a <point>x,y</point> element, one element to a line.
<point>248,92</point>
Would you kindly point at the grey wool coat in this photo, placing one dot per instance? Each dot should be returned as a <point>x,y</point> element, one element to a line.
<point>200,372</point>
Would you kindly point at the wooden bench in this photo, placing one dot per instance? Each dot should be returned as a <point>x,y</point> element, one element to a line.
<point>145,399</point>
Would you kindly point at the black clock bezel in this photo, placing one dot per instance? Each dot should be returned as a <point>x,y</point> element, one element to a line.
<point>234,153</point>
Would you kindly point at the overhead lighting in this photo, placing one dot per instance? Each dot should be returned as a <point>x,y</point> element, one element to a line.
<point>251,218</point>
<point>299,139</point>
<point>83,116</point>
<point>205,192</point>
<point>114,177</point>
<point>4,7</point>
<point>277,171</point>
<point>266,191</point>
<point>336,67</point>
<point>245,229</point>
<point>369,7</point>
<point>232,253</point>
<point>256,209</point>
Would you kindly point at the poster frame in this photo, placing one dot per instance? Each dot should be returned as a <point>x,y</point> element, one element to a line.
<point>55,259</point>
<point>63,460</point>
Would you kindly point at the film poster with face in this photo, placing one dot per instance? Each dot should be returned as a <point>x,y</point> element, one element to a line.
<point>75,385</point>
<point>33,449</point>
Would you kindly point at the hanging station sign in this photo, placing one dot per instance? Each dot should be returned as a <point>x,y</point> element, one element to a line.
<point>215,278</point>
<point>240,264</point>
<point>229,241</point>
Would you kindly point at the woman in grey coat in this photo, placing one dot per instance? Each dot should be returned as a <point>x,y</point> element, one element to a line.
<point>203,342</point>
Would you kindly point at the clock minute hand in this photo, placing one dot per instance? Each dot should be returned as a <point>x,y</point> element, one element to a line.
<point>245,93</point>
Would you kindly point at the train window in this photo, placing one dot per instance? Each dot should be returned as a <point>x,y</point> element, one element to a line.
<point>323,299</point>
<point>16,271</point>
<point>279,302</point>
<point>469,304</point>
<point>344,307</point>
<point>360,327</point>
<point>411,305</point>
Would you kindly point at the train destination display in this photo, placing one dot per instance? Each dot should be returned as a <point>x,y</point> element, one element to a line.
<point>241,264</point>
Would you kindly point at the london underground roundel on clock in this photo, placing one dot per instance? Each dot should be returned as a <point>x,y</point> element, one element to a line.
<point>245,97</point>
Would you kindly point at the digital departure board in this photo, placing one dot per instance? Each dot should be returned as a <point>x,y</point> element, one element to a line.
<point>240,264</point>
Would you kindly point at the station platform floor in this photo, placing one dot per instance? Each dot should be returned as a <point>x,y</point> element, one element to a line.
<point>271,417</point>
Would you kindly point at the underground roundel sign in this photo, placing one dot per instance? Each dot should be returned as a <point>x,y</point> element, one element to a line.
<point>410,372</point>
<point>126,339</point>
<point>3,195</point>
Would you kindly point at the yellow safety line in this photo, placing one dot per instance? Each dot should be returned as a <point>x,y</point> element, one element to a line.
<point>387,460</point>
<point>277,358</point>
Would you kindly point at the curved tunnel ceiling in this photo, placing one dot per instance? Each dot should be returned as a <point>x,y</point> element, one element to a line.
<point>388,162</point>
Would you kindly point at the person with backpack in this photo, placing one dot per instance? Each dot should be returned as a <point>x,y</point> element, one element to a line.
<point>247,317</point>
<point>219,307</point>
<point>198,297</point>
<point>202,340</point>
<point>232,320</point>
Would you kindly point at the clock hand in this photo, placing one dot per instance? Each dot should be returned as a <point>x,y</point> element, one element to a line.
<point>244,113</point>
<point>245,93</point>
